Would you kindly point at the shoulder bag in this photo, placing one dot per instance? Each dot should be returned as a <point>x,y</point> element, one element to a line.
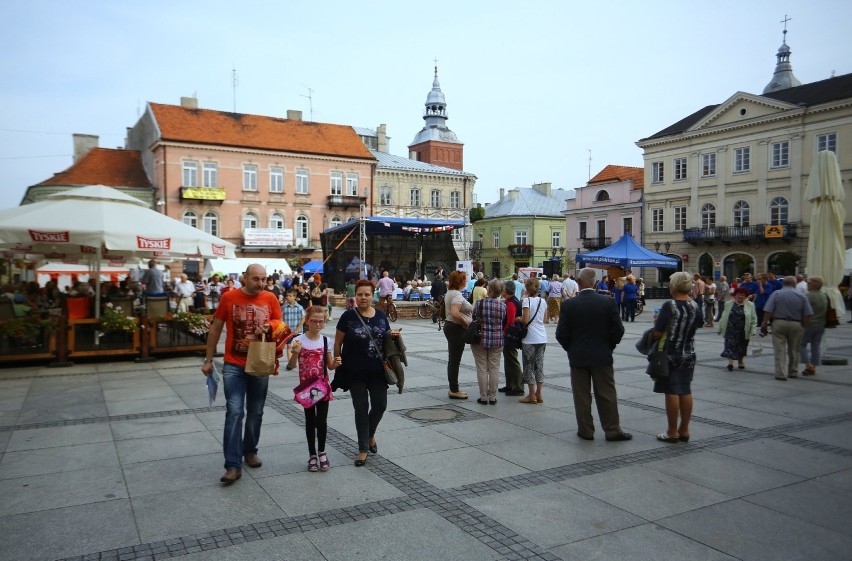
<point>658,358</point>
<point>830,315</point>
<point>390,373</point>
<point>471,333</point>
<point>517,332</point>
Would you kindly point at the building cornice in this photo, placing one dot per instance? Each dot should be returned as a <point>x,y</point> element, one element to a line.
<point>258,152</point>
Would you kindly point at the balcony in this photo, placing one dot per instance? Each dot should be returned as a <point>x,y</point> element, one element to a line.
<point>520,250</point>
<point>596,243</point>
<point>732,234</point>
<point>346,201</point>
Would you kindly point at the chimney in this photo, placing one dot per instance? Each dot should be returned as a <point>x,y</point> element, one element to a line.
<point>83,144</point>
<point>189,102</point>
<point>294,115</point>
<point>502,192</point>
<point>543,188</point>
<point>382,133</point>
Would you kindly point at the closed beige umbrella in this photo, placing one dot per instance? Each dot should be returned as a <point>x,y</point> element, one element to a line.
<point>826,245</point>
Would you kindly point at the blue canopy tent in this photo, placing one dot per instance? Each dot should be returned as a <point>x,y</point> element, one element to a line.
<point>312,267</point>
<point>628,254</point>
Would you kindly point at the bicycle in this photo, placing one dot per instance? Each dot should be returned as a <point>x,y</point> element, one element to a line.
<point>390,308</point>
<point>432,309</point>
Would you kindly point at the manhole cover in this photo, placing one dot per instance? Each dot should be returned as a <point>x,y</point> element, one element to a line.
<point>433,414</point>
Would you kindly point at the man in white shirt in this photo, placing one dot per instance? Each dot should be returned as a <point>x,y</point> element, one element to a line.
<point>802,284</point>
<point>185,290</point>
<point>570,288</point>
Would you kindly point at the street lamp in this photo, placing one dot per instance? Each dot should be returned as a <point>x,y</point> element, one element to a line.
<point>657,247</point>
<point>668,245</point>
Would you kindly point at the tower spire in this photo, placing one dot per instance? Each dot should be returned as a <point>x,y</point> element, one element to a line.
<point>783,77</point>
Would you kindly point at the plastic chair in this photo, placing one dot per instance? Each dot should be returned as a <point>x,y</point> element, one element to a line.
<point>79,307</point>
<point>125,304</point>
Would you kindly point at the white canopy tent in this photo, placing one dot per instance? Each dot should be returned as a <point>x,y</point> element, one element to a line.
<point>64,272</point>
<point>239,265</point>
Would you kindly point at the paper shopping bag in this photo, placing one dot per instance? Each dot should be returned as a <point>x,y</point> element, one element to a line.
<point>261,358</point>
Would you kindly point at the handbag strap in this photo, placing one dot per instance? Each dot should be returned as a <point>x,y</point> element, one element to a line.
<point>325,355</point>
<point>370,333</point>
<point>532,317</point>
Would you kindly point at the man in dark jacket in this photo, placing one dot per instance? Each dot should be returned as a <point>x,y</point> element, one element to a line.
<point>589,329</point>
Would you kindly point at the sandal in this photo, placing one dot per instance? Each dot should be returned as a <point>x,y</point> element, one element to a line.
<point>312,464</point>
<point>529,399</point>
<point>323,461</point>
<point>664,437</point>
<point>539,399</point>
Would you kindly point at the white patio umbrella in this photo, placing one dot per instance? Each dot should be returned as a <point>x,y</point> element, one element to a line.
<point>826,245</point>
<point>98,222</point>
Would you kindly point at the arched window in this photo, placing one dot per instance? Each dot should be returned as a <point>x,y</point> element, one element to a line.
<point>602,196</point>
<point>211,223</point>
<point>302,230</point>
<point>276,221</point>
<point>190,218</point>
<point>741,213</point>
<point>336,221</point>
<point>708,215</point>
<point>778,210</point>
<point>250,220</point>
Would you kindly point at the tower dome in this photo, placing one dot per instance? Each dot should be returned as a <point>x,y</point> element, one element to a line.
<point>783,77</point>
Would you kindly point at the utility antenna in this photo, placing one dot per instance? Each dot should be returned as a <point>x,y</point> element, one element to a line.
<point>589,150</point>
<point>234,82</point>
<point>310,97</point>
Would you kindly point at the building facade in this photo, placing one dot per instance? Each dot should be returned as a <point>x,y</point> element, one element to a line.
<point>525,228</point>
<point>724,187</point>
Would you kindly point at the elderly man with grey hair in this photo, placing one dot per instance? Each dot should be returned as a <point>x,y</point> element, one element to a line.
<point>789,311</point>
<point>589,329</point>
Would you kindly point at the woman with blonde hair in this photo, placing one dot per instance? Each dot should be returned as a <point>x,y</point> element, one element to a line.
<point>490,311</point>
<point>814,327</point>
<point>676,324</point>
<point>533,345</point>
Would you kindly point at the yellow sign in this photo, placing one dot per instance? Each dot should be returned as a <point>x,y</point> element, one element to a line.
<point>203,193</point>
<point>773,231</point>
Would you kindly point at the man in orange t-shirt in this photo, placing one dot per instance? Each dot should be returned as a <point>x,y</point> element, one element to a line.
<point>248,312</point>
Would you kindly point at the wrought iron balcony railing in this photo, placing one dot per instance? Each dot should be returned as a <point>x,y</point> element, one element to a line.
<point>596,243</point>
<point>728,234</point>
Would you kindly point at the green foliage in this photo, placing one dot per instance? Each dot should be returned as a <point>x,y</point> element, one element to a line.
<point>114,320</point>
<point>477,213</point>
<point>28,327</point>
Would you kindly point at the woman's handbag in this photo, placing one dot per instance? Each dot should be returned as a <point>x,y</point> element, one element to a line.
<point>831,315</point>
<point>261,357</point>
<point>390,373</point>
<point>517,332</point>
<point>471,333</point>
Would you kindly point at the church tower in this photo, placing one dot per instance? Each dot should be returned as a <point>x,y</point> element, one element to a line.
<point>435,143</point>
<point>783,77</point>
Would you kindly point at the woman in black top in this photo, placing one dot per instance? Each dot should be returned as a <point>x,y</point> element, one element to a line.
<point>363,364</point>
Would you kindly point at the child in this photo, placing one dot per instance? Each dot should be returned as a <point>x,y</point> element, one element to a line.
<point>314,354</point>
<point>294,316</point>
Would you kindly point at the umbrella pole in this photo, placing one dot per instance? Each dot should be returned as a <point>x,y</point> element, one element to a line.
<point>98,255</point>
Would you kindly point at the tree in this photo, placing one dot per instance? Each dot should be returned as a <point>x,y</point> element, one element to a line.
<point>477,213</point>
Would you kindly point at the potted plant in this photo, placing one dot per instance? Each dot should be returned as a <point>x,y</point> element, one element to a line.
<point>113,319</point>
<point>196,324</point>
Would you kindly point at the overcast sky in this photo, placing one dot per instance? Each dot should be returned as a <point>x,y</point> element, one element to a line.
<point>530,87</point>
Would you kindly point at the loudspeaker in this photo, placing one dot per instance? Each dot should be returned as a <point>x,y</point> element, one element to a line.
<point>547,268</point>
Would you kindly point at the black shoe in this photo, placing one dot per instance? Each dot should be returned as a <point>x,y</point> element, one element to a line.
<point>504,389</point>
<point>360,463</point>
<point>374,449</point>
<point>584,437</point>
<point>482,401</point>
<point>619,437</point>
<point>730,367</point>
<point>492,402</point>
<point>515,392</point>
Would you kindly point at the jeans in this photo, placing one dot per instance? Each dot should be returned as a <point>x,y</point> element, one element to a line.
<point>813,336</point>
<point>367,418</point>
<point>242,391</point>
<point>455,347</point>
<point>629,310</point>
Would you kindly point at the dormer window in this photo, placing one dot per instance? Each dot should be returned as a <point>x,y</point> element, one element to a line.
<point>602,196</point>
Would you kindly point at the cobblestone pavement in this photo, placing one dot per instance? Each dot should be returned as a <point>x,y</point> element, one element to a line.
<point>121,461</point>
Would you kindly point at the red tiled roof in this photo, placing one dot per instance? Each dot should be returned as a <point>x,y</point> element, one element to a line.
<point>613,173</point>
<point>104,166</point>
<point>204,126</point>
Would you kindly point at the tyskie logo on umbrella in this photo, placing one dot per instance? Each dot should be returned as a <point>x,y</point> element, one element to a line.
<point>219,250</point>
<point>50,237</point>
<point>163,244</point>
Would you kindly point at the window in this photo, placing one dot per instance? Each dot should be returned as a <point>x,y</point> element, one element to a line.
<point>657,220</point>
<point>741,213</point>
<point>352,184</point>
<point>778,210</point>
<point>458,235</point>
<point>827,142</point>
<point>581,230</point>
<point>190,219</point>
<point>336,179</point>
<point>627,225</point>
<point>708,215</point>
<point>302,181</point>
<point>250,220</point>
<point>302,230</point>
<point>601,196</point>
<point>780,154</point>
<point>249,177</point>
<point>556,239</point>
<point>436,198</point>
<point>455,199</point>
<point>385,195</point>
<point>211,223</point>
<point>210,174</point>
<point>679,169</point>
<point>657,172</point>
<point>742,159</point>
<point>708,165</point>
<point>679,218</point>
<point>520,237</point>
<point>336,221</point>
<point>276,179</point>
<point>495,238</point>
<point>190,173</point>
<point>414,197</point>
<point>276,221</point>
<point>601,229</point>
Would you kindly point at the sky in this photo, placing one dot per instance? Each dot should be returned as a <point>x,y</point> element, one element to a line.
<point>533,89</point>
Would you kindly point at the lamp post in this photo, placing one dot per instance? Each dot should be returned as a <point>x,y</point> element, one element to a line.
<point>668,246</point>
<point>657,247</point>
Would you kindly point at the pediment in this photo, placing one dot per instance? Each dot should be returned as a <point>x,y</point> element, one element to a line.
<point>742,107</point>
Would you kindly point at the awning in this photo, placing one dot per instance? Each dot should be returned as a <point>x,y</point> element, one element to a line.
<point>626,253</point>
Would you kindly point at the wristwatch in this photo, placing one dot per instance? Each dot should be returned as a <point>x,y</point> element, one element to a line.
<point>208,360</point>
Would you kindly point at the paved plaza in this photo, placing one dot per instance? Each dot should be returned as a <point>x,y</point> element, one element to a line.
<point>121,461</point>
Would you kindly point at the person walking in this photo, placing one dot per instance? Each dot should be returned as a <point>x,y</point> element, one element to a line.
<point>458,312</point>
<point>815,326</point>
<point>698,289</point>
<point>554,298</point>
<point>739,319</point>
<point>630,298</point>
<point>490,311</point>
<point>709,301</point>
<point>512,366</point>
<point>534,344</point>
<point>723,295</point>
<point>294,315</point>
<point>359,342</point>
<point>789,310</point>
<point>247,313</point>
<point>678,320</point>
<point>589,329</point>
